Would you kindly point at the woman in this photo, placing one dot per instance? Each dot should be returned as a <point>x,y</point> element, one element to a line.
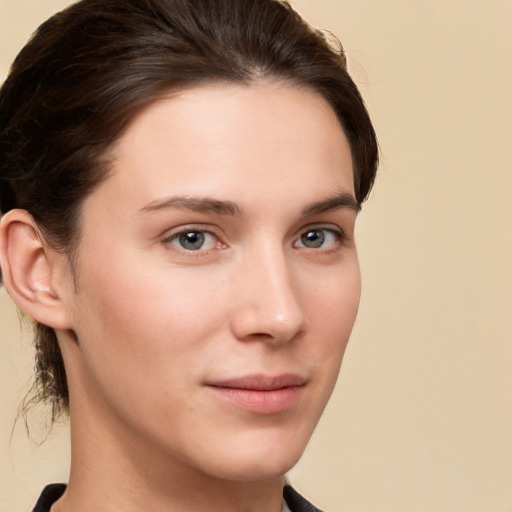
<point>180,181</point>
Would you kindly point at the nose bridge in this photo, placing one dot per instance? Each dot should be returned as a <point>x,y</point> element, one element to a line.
<point>268,302</point>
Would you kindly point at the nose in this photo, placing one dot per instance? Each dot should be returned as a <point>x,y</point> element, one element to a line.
<point>267,304</point>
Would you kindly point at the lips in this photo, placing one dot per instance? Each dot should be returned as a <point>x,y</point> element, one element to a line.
<point>260,393</point>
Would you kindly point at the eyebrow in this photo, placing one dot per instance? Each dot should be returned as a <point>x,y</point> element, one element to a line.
<point>198,204</point>
<point>232,209</point>
<point>342,200</point>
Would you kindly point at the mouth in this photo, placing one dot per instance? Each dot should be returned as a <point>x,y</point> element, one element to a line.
<point>260,394</point>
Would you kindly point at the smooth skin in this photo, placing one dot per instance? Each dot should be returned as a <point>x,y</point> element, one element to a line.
<point>220,247</point>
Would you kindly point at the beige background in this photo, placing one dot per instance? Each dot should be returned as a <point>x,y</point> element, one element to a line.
<point>422,417</point>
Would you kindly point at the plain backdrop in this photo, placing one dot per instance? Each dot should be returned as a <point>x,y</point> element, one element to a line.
<point>421,419</point>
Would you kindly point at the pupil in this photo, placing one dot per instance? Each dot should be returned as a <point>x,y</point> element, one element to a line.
<point>313,239</point>
<point>192,240</point>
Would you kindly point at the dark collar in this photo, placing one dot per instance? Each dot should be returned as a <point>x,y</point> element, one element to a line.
<point>297,503</point>
<point>53,492</point>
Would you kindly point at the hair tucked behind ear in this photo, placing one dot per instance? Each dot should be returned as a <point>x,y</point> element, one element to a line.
<point>88,70</point>
<point>50,385</point>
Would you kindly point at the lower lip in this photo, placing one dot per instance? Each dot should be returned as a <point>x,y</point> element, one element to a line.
<point>261,402</point>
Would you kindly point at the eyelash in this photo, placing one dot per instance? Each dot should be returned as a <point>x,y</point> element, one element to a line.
<point>337,234</point>
<point>174,239</point>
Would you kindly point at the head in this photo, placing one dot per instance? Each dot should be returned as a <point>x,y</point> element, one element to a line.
<point>95,76</point>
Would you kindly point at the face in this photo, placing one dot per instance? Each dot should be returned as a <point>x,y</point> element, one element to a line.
<point>217,280</point>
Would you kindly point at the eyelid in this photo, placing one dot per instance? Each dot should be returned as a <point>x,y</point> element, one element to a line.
<point>323,226</point>
<point>184,228</point>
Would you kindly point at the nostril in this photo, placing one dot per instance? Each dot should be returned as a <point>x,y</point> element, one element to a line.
<point>261,336</point>
<point>271,339</point>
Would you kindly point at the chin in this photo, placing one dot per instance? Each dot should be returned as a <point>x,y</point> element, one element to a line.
<point>257,462</point>
<point>255,449</point>
<point>256,471</point>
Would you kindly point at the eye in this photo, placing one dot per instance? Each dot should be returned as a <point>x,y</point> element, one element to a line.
<point>193,240</point>
<point>319,238</point>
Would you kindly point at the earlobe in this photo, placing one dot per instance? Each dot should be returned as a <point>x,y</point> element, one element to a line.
<point>27,270</point>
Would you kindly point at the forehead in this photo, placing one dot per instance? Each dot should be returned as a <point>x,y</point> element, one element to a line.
<point>231,140</point>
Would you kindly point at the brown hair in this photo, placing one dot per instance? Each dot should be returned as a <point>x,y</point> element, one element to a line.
<point>89,69</point>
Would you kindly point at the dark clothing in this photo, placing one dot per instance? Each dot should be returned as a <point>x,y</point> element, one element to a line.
<point>51,493</point>
<point>297,503</point>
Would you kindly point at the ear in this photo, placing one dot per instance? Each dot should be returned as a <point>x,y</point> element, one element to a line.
<point>29,269</point>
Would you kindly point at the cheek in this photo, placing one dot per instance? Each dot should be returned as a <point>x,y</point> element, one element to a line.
<point>140,328</point>
<point>334,300</point>
<point>133,295</point>
<point>333,309</point>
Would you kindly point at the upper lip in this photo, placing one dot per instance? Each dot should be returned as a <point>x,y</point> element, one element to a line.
<point>259,382</point>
